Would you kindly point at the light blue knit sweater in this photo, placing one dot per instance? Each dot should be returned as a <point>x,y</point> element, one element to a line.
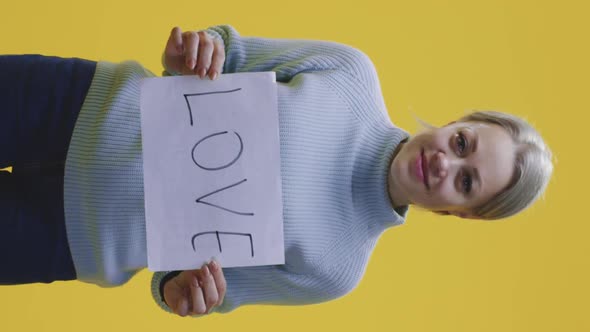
<point>336,142</point>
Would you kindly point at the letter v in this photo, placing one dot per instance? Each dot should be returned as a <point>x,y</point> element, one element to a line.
<point>199,200</point>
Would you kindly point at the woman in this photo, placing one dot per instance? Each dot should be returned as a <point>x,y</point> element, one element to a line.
<point>347,173</point>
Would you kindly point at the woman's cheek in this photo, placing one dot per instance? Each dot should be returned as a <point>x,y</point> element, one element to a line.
<point>448,195</point>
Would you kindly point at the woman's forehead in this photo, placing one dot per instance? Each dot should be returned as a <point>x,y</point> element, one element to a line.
<point>494,158</point>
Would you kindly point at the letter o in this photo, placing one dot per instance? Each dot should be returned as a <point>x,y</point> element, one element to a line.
<point>223,166</point>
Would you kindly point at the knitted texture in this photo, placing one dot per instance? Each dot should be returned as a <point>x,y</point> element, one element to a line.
<point>336,145</point>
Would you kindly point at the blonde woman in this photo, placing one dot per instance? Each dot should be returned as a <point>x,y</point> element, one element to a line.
<point>348,173</point>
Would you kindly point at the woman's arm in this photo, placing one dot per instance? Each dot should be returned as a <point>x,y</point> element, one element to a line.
<point>289,57</point>
<point>271,284</point>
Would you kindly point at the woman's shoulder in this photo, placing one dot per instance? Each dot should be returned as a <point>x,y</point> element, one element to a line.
<point>357,82</point>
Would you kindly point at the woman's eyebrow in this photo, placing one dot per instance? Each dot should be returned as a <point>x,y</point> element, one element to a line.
<point>475,140</point>
<point>475,170</point>
<point>478,179</point>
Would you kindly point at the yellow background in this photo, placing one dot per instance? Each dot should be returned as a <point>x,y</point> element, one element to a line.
<point>436,59</point>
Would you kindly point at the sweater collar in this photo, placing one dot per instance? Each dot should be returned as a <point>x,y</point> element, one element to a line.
<point>369,182</point>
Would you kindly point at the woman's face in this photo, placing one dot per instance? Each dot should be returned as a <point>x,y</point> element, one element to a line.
<point>454,168</point>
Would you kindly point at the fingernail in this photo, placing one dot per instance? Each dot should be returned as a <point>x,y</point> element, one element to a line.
<point>203,72</point>
<point>213,263</point>
<point>213,78</point>
<point>205,270</point>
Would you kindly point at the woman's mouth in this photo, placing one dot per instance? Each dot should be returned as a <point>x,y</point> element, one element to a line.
<point>424,164</point>
<point>421,169</point>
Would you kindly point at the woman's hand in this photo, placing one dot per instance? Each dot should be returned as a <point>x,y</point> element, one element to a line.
<point>196,292</point>
<point>194,52</point>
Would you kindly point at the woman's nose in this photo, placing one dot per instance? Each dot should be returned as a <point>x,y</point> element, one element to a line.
<point>440,165</point>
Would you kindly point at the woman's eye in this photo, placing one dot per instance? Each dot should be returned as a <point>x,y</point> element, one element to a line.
<point>466,183</point>
<point>461,143</point>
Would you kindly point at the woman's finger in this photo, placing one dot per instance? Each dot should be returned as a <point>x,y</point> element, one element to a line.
<point>220,282</point>
<point>173,294</point>
<point>209,288</point>
<point>174,44</point>
<point>205,52</point>
<point>197,298</point>
<point>182,306</point>
<point>217,59</point>
<point>190,40</point>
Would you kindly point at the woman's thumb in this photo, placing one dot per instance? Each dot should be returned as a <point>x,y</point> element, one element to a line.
<point>174,44</point>
<point>175,297</point>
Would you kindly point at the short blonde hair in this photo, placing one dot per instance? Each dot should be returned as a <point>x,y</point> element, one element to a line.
<point>532,169</point>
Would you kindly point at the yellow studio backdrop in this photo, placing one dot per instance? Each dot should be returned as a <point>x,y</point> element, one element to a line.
<point>436,59</point>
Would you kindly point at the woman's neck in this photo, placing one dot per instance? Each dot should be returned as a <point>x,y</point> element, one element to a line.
<point>396,196</point>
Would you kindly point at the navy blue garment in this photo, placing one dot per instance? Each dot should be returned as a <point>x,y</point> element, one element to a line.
<point>40,98</point>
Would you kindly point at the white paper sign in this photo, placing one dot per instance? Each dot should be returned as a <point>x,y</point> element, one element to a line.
<point>211,167</point>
